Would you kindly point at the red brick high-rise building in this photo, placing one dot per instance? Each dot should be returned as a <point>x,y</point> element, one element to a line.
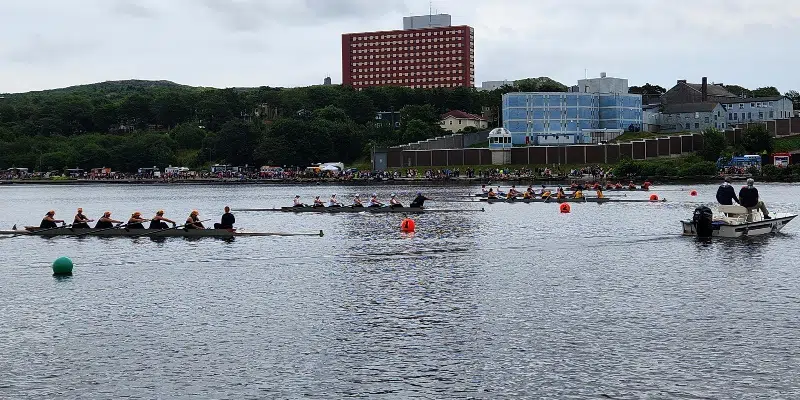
<point>427,57</point>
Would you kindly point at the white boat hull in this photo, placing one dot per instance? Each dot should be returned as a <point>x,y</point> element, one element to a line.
<point>734,230</point>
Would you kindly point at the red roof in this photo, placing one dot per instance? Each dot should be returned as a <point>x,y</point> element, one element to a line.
<point>458,114</point>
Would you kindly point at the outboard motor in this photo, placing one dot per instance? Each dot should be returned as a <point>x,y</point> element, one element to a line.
<point>703,218</point>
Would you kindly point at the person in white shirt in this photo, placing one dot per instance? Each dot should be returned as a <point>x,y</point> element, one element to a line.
<point>297,202</point>
<point>318,202</point>
<point>357,202</point>
<point>394,202</point>
<point>333,202</point>
<point>373,201</point>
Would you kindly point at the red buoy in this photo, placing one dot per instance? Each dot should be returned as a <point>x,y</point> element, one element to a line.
<point>564,208</point>
<point>408,225</point>
<point>693,193</point>
<point>653,197</point>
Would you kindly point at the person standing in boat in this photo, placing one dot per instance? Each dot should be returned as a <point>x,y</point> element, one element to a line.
<point>748,198</point>
<point>726,195</point>
<point>160,222</point>
<point>227,220</point>
<point>193,222</point>
<point>49,221</point>
<point>136,221</point>
<point>106,221</point>
<point>80,221</point>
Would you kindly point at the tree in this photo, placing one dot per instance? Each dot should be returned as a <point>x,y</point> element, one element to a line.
<point>188,136</point>
<point>647,89</point>
<point>794,97</point>
<point>714,144</point>
<point>739,91</point>
<point>757,140</point>
<point>416,130</point>
<point>769,91</point>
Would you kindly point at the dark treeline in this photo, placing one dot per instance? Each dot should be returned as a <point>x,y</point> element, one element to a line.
<point>130,124</point>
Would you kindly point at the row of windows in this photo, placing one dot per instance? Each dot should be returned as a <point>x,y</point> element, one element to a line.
<point>394,49</point>
<point>435,67</point>
<point>734,116</point>
<point>406,42</point>
<point>409,34</point>
<point>756,104</point>
<point>372,76</point>
<point>357,82</point>
<point>414,73</point>
<point>404,58</point>
<point>426,86</point>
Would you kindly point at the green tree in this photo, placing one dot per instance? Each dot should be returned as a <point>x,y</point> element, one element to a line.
<point>714,144</point>
<point>188,136</point>
<point>794,96</point>
<point>739,91</point>
<point>768,91</point>
<point>757,140</point>
<point>416,130</point>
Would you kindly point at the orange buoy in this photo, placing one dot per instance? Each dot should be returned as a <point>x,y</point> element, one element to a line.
<point>564,208</point>
<point>653,197</point>
<point>693,193</point>
<point>408,225</point>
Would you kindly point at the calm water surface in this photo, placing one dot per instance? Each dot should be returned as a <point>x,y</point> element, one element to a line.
<point>520,301</point>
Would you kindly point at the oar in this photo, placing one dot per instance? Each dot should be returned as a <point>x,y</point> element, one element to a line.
<point>108,229</point>
<point>174,227</point>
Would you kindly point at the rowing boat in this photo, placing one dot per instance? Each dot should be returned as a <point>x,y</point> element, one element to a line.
<point>583,200</point>
<point>569,191</point>
<point>220,233</point>
<point>337,210</point>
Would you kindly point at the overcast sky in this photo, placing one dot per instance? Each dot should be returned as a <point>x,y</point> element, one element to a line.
<point>223,43</point>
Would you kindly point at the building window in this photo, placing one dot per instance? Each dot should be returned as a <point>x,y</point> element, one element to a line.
<point>771,113</point>
<point>696,125</point>
<point>749,115</point>
<point>760,115</point>
<point>687,125</point>
<point>741,106</point>
<point>705,119</point>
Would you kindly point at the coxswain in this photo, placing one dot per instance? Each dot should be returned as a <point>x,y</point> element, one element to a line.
<point>297,202</point>
<point>318,202</point>
<point>631,185</point>
<point>227,220</point>
<point>80,221</point>
<point>373,201</point>
<point>136,221</point>
<point>193,222</point>
<point>748,198</point>
<point>160,222</point>
<point>491,194</point>
<point>419,201</point>
<point>333,202</point>
<point>106,221</point>
<point>726,195</point>
<point>49,221</point>
<point>393,202</point>
<point>357,201</point>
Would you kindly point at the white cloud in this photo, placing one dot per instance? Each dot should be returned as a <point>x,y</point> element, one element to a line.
<point>222,43</point>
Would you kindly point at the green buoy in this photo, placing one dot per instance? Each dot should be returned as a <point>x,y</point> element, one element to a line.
<point>62,266</point>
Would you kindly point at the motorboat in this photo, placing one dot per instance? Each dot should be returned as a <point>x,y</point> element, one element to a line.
<point>733,221</point>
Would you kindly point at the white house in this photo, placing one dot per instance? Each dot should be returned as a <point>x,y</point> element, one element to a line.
<point>456,120</point>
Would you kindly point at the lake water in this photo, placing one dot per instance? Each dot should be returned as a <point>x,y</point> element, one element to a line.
<point>519,301</point>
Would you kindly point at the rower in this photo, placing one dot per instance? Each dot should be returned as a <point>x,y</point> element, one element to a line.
<point>618,186</point>
<point>599,193</point>
<point>333,202</point>
<point>393,202</point>
<point>357,201</point>
<point>631,185</point>
<point>160,222</point>
<point>528,194</point>
<point>227,220</point>
<point>106,221</point>
<point>80,221</point>
<point>546,192</point>
<point>297,202</point>
<point>560,193</point>
<point>49,221</point>
<point>373,201</point>
<point>318,202</point>
<point>193,222</point>
<point>484,190</point>
<point>578,193</point>
<point>609,186</point>
<point>491,194</point>
<point>419,201</point>
<point>646,185</point>
<point>135,221</point>
<point>512,192</point>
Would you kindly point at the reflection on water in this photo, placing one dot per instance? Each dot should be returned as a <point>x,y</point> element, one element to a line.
<point>519,301</point>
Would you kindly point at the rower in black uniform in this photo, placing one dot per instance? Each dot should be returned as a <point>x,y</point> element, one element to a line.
<point>136,221</point>
<point>227,220</point>
<point>106,221</point>
<point>49,221</point>
<point>160,222</point>
<point>418,201</point>
<point>193,222</point>
<point>80,221</point>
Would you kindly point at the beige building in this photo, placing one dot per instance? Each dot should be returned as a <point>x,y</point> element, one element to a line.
<point>455,121</point>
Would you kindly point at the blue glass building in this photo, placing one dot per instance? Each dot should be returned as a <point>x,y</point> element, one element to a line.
<point>557,118</point>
